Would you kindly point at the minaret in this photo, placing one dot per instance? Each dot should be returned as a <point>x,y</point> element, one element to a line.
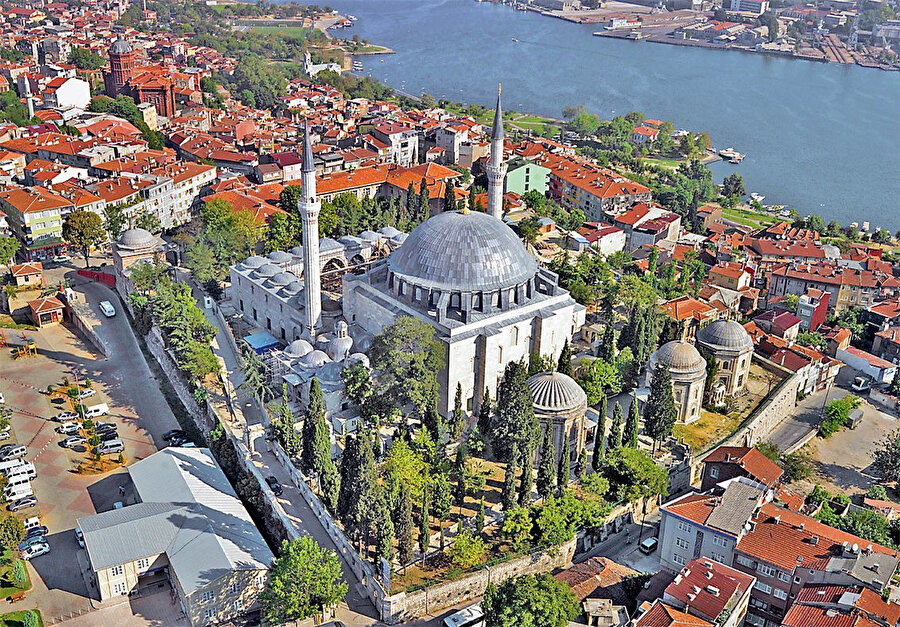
<point>29,98</point>
<point>496,169</point>
<point>309,206</point>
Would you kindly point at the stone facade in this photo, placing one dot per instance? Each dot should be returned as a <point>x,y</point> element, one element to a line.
<point>688,372</point>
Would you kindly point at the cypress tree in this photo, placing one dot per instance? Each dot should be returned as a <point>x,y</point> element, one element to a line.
<point>432,420</point>
<point>358,484</point>
<point>564,472</point>
<point>639,338</point>
<point>515,426</point>
<point>424,208</point>
<point>581,463</point>
<point>485,415</point>
<point>564,365</point>
<point>479,519</point>
<point>404,526</point>
<point>626,337</point>
<point>322,438</point>
<point>607,350</point>
<point>458,418</point>
<point>508,495</point>
<point>383,528</point>
<point>650,334</point>
<point>630,436</point>
<point>424,527</point>
<point>527,478</point>
<point>660,412</point>
<point>411,207</point>
<point>615,429</point>
<point>600,439</point>
<point>546,478</point>
<point>330,482</point>
<point>449,196</point>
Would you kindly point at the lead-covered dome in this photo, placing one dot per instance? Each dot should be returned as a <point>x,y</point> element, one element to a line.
<point>463,251</point>
<point>681,358</point>
<point>137,238</point>
<point>725,335</point>
<point>120,46</point>
<point>556,392</point>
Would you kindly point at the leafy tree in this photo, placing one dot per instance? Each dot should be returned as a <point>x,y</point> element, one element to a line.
<point>770,450</point>
<point>114,221</point>
<point>733,185</point>
<point>516,528</point>
<point>83,230</point>
<point>403,525</point>
<point>837,415</point>
<point>630,433</point>
<point>12,532</point>
<point>409,466</point>
<point>9,246</point>
<point>515,427</point>
<point>564,365</point>
<point>85,59</point>
<point>815,340</point>
<point>468,549</point>
<point>632,475</point>
<point>877,491</point>
<point>614,440</point>
<point>599,379</point>
<point>508,494</point>
<point>886,462</point>
<point>660,413</point>
<point>255,75</point>
<point>546,478</point>
<point>530,601</point>
<point>407,357</point>
<point>441,495</point>
<point>283,232</point>
<point>304,580</point>
<point>797,466</point>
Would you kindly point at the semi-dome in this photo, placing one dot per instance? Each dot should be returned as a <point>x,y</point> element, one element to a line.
<point>463,251</point>
<point>279,256</point>
<point>254,261</point>
<point>137,238</point>
<point>680,357</point>
<point>725,335</point>
<point>298,348</point>
<point>267,270</point>
<point>556,392</point>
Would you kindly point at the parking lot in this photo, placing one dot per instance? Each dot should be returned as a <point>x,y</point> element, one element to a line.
<point>137,407</point>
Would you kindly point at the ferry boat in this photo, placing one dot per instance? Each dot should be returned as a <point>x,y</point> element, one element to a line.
<point>757,197</point>
<point>358,66</point>
<point>515,40</point>
<point>732,155</point>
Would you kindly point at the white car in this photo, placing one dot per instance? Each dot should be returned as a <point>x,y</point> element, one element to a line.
<point>41,548</point>
<point>2,400</point>
<point>65,416</point>
<point>68,428</point>
<point>108,310</point>
<point>86,393</point>
<point>60,259</point>
<point>73,440</point>
<point>4,435</point>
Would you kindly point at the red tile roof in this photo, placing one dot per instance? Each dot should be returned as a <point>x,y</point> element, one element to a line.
<point>708,587</point>
<point>757,465</point>
<point>662,615</point>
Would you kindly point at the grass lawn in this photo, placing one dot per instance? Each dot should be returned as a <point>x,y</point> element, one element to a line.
<point>17,619</point>
<point>663,162</point>
<point>711,428</point>
<point>748,217</point>
<point>8,322</point>
<point>7,587</point>
<point>293,32</point>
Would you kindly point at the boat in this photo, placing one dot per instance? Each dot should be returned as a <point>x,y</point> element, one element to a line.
<point>352,18</point>
<point>731,154</point>
<point>734,160</point>
<point>515,40</point>
<point>757,197</point>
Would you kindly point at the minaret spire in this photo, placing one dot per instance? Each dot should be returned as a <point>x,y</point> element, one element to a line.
<point>308,207</point>
<point>496,169</point>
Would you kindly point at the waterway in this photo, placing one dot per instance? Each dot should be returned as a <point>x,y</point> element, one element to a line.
<point>821,138</point>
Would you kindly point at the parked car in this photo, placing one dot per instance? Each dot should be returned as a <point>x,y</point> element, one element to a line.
<point>113,446</point>
<point>4,435</point>
<point>60,259</point>
<point>168,436</point>
<point>79,535</point>
<point>73,440</point>
<point>99,426</point>
<point>2,400</point>
<point>68,428</point>
<point>87,393</point>
<point>65,416</point>
<point>649,545</point>
<point>96,410</point>
<point>16,452</point>
<point>28,501</point>
<point>106,436</point>
<point>275,485</point>
<point>35,550</point>
<point>40,530</point>
<point>27,542</point>
<point>105,428</point>
<point>862,384</point>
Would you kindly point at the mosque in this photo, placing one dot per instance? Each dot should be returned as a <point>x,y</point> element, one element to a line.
<point>466,274</point>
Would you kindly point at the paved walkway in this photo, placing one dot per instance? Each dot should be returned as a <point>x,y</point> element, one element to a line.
<point>356,609</point>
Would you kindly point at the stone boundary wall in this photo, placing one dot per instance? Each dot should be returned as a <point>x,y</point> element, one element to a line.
<point>885,401</point>
<point>406,606</point>
<point>83,320</point>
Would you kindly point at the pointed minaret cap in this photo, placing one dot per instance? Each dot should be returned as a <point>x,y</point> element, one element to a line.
<point>497,132</point>
<point>308,165</point>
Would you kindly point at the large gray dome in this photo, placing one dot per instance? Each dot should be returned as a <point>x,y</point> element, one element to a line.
<point>136,239</point>
<point>725,335</point>
<point>556,392</point>
<point>681,358</point>
<point>120,46</point>
<point>463,251</point>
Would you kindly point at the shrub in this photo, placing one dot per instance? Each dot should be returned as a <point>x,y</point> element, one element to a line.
<point>31,619</point>
<point>837,414</point>
<point>877,491</point>
<point>467,550</point>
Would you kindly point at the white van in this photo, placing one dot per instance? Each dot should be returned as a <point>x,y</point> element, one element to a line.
<point>30,523</point>
<point>96,410</point>
<point>113,446</point>
<point>108,310</point>
<point>14,493</point>
<point>15,452</point>
<point>9,465</point>
<point>14,482</point>
<point>25,470</point>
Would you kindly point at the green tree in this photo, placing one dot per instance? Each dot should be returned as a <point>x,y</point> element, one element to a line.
<point>424,526</point>
<point>85,59</point>
<point>304,581</point>
<point>530,601</point>
<point>316,451</point>
<point>564,365</point>
<point>458,418</point>
<point>526,479</point>
<point>546,478</point>
<point>733,185</point>
<point>383,528</point>
<point>282,232</point>
<point>581,464</point>
<point>485,415</point>
<point>615,429</point>
<point>599,379</point>
<point>660,413</point>
<point>600,438</point>
<point>357,485</point>
<point>114,221</point>
<point>607,349</point>
<point>508,493</point>
<point>468,549</point>
<point>516,528</point>
<point>9,246</point>
<point>632,475</point>
<point>403,526</point>
<point>12,532</point>
<point>407,357</point>
<point>886,462</point>
<point>895,383</point>
<point>83,230</point>
<point>441,494</point>
<point>630,435</point>
<point>515,427</point>
<point>564,471</point>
